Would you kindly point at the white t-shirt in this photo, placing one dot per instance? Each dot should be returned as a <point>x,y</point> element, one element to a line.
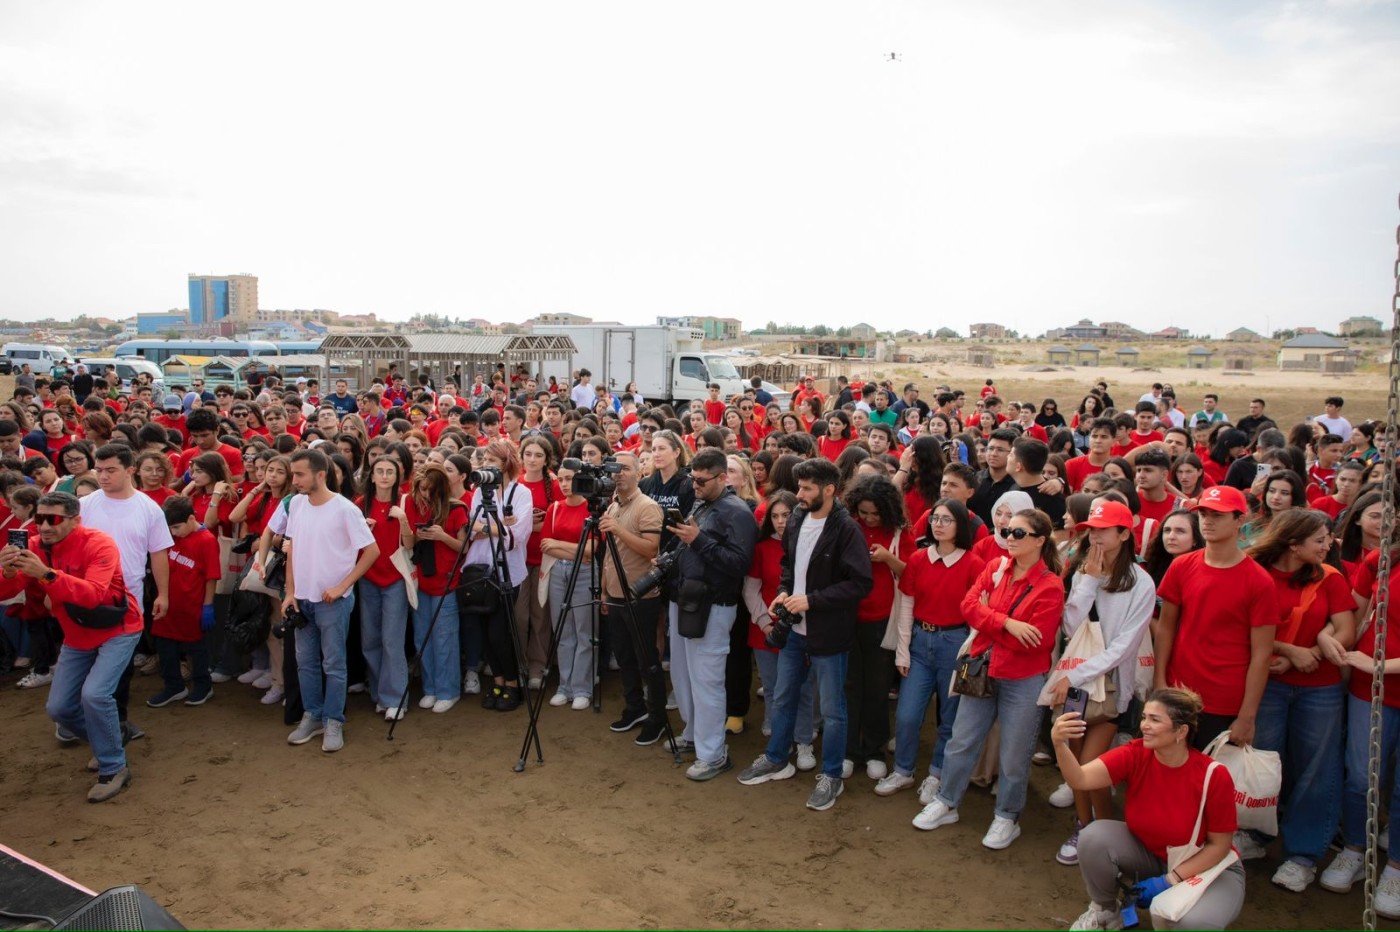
<point>807,536</point>
<point>583,396</point>
<point>326,543</point>
<point>517,534</point>
<point>1335,425</point>
<point>138,526</point>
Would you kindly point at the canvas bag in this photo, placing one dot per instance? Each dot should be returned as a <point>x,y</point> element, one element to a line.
<point>891,639</point>
<point>1258,777</point>
<point>402,558</point>
<point>1175,902</point>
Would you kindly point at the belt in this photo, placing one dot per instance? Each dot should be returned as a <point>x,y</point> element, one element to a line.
<point>724,604</point>
<point>928,627</point>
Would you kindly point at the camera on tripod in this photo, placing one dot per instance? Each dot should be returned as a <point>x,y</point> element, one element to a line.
<point>783,620</point>
<point>665,563</point>
<point>487,477</point>
<point>595,483</point>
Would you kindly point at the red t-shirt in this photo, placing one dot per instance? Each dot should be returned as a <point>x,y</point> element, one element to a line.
<point>438,583</point>
<point>1136,439</point>
<point>160,495</point>
<point>1364,582</point>
<point>233,459</point>
<point>1321,478</point>
<point>831,448</point>
<point>542,500</point>
<point>174,423</point>
<point>1079,469</point>
<point>1163,802</point>
<point>937,588</point>
<point>714,412</point>
<point>876,605</point>
<point>915,505</point>
<point>201,501</point>
<point>1219,610</point>
<point>767,568</point>
<point>194,561</point>
<point>1150,517</point>
<point>385,529</point>
<point>1333,598</point>
<point>1215,472</point>
<point>1328,506</point>
<point>260,511</point>
<point>563,521</point>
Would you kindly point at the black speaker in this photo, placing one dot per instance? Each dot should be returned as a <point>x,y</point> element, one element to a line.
<point>120,908</point>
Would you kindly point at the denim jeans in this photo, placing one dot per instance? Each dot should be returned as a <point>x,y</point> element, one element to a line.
<point>697,673</point>
<point>383,623</point>
<point>932,657</point>
<point>805,730</point>
<point>576,633</point>
<point>1304,725</point>
<point>442,662</point>
<point>794,665</point>
<point>1014,706</point>
<point>82,697</point>
<point>1358,753</point>
<point>321,649</point>
<point>17,631</point>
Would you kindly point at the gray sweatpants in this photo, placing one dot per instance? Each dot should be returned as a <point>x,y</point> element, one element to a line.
<point>1107,849</point>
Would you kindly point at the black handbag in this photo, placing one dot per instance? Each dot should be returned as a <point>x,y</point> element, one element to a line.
<point>692,608</point>
<point>972,676</point>
<point>477,592</point>
<point>275,573</point>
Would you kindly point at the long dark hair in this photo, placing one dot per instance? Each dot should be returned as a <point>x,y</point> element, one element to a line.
<point>1225,441</point>
<point>782,497</point>
<point>1349,526</point>
<point>367,489</point>
<point>1287,528</point>
<point>1157,559</point>
<point>1190,459</point>
<point>962,535</point>
<point>780,477</point>
<point>926,469</point>
<point>1121,577</point>
<point>1042,525</point>
<point>1297,492</point>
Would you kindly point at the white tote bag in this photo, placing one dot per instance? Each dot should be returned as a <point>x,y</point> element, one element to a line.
<point>1258,777</point>
<point>1086,643</point>
<point>1175,902</point>
<point>891,639</point>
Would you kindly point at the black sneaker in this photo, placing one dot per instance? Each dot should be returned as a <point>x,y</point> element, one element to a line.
<point>490,696</point>
<point>629,721</point>
<point>200,698</point>
<point>509,699</point>
<point>651,733</point>
<point>166,696</point>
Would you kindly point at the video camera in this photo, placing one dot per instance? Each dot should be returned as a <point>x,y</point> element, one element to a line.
<point>486,477</point>
<point>595,483</point>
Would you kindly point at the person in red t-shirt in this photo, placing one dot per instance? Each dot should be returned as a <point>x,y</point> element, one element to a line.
<point>1216,630</point>
<point>1303,701</point>
<point>1170,787</point>
<point>173,419</point>
<point>1347,481</point>
<point>536,458</point>
<point>838,435</point>
<point>714,406</point>
<point>437,533</point>
<point>195,569</point>
<point>1329,448</point>
<point>559,537</point>
<point>203,426</point>
<point>1101,434</point>
<point>1152,470</point>
<point>383,592</point>
<point>1143,433</point>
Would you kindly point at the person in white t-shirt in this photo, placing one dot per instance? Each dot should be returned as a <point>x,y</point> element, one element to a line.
<point>1332,420</point>
<point>136,523</point>
<point>331,548</point>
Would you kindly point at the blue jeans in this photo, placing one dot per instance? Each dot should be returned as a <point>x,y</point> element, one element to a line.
<point>383,629</point>
<point>321,649</point>
<point>17,631</point>
<point>1358,750</point>
<point>576,633</point>
<point>83,700</point>
<point>1304,725</point>
<point>442,663</point>
<point>932,657</point>
<point>1014,706</point>
<point>830,673</point>
<point>805,731</point>
<point>697,674</point>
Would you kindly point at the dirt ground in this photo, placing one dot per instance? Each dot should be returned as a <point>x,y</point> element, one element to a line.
<point>229,826</point>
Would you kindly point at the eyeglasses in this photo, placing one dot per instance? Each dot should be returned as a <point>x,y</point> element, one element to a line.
<point>942,520</point>
<point>703,480</point>
<point>1016,533</point>
<point>50,519</point>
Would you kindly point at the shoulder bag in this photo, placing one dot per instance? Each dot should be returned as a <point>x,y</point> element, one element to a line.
<point>1175,902</point>
<point>972,675</point>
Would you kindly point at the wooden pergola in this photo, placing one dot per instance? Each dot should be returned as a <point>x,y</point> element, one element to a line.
<point>440,354</point>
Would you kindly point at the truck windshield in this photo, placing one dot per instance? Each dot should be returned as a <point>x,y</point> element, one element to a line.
<point>721,368</point>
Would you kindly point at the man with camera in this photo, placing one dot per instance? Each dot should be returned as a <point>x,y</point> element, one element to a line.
<point>634,521</point>
<point>826,572</point>
<point>717,544</point>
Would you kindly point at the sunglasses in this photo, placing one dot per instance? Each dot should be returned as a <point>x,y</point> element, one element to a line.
<point>50,520</point>
<point>1016,533</point>
<point>703,480</point>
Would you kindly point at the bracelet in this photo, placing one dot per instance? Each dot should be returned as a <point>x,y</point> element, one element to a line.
<point>1172,873</point>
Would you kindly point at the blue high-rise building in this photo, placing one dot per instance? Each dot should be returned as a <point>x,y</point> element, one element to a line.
<point>215,298</point>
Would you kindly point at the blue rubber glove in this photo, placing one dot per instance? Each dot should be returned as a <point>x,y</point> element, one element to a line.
<point>1148,889</point>
<point>206,619</point>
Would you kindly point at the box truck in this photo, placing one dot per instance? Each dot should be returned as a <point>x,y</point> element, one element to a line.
<point>668,363</point>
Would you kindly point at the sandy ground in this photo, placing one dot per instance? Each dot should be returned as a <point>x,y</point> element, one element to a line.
<point>229,826</point>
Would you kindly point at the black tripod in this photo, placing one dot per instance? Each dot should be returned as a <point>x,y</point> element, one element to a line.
<point>499,583</point>
<point>603,547</point>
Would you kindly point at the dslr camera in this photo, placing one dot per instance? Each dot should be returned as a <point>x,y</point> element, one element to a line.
<point>783,620</point>
<point>487,477</point>
<point>292,620</point>
<point>665,563</point>
<point>595,483</point>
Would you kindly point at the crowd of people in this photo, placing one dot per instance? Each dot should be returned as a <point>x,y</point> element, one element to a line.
<point>1106,588</point>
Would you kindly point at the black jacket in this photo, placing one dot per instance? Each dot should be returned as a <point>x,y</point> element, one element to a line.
<point>838,577</point>
<point>723,551</point>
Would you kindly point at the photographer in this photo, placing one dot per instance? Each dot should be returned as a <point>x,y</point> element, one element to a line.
<point>718,539</point>
<point>634,521</point>
<point>823,545</point>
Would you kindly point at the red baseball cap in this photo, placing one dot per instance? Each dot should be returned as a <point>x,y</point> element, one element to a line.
<point>1108,514</point>
<point>1222,498</point>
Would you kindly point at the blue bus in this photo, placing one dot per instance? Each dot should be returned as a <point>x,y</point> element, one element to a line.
<point>298,347</point>
<point>158,351</point>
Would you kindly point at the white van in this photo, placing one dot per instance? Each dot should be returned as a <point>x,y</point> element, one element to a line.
<point>42,357</point>
<point>127,367</point>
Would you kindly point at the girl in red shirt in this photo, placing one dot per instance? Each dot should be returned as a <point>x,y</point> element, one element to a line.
<point>1303,701</point>
<point>744,435</point>
<point>435,530</point>
<point>154,474</point>
<point>536,458</point>
<point>383,591</point>
<point>559,537</point>
<point>838,435</point>
<point>211,493</point>
<point>1015,611</point>
<point>931,628</point>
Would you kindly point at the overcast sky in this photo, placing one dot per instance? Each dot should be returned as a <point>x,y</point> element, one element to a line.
<point>1208,165</point>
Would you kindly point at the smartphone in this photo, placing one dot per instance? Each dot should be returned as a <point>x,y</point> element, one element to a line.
<point>420,527</point>
<point>1077,700</point>
<point>19,538</point>
<point>673,516</point>
<point>1262,469</point>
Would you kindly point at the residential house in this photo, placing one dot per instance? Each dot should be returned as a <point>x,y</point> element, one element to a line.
<point>1317,352</point>
<point>1360,327</point>
<point>1243,335</point>
<point>987,331</point>
<point>1170,333</point>
<point>1086,329</point>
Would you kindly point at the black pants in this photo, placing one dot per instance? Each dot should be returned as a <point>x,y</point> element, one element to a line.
<point>1209,727</point>
<point>639,686</point>
<point>738,667</point>
<point>169,652</point>
<point>292,709</point>
<point>500,639</point>
<point>868,694</point>
<point>45,638</point>
<point>354,651</point>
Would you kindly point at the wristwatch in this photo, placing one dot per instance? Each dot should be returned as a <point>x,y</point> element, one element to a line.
<point>49,577</point>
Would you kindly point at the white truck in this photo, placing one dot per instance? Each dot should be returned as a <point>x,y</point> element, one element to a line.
<point>668,363</point>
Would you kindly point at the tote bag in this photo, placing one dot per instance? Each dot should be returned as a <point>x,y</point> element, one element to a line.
<point>1175,902</point>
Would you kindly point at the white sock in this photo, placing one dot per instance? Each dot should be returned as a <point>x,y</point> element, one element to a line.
<point>1390,871</point>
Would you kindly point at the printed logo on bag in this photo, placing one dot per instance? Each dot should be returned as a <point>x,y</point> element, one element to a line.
<point>1252,802</point>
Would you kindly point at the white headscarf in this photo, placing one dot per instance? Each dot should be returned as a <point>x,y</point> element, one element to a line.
<point>1016,500</point>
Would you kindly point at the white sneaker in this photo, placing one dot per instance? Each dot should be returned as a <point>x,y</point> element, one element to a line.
<point>356,688</point>
<point>32,680</point>
<point>1249,849</point>
<point>1344,871</point>
<point>395,714</point>
<point>1063,797</point>
<point>806,758</point>
<point>848,767</point>
<point>1002,833</point>
<point>1388,896</point>
<point>1042,759</point>
<point>876,769</point>
<point>929,788</point>
<point>273,696</point>
<point>427,702</point>
<point>220,677</point>
<point>558,699</point>
<point>248,677</point>
<point>380,708</point>
<point>1294,876</point>
<point>892,784</point>
<point>934,815</point>
<point>1096,917</point>
<point>263,682</point>
<point>471,683</point>
<point>889,746</point>
<point>671,703</point>
<point>582,702</point>
<point>536,682</point>
<point>442,705</point>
